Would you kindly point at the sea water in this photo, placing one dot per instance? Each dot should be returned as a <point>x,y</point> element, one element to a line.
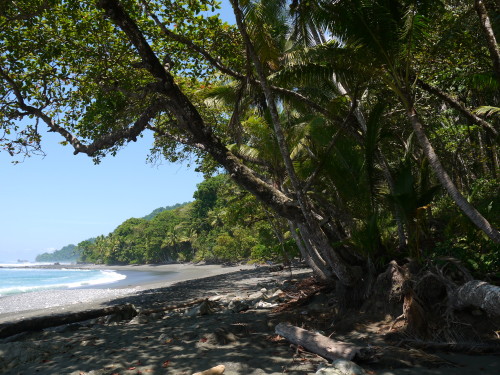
<point>18,279</point>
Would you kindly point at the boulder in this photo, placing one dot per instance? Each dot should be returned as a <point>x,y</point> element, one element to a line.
<point>341,367</point>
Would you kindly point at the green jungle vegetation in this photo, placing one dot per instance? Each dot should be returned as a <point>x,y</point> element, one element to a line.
<point>355,132</point>
<point>73,253</point>
<point>224,223</point>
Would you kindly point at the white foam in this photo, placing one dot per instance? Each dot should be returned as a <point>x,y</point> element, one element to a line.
<point>105,277</point>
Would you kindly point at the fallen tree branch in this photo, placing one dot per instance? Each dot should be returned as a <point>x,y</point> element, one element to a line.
<point>318,344</point>
<point>54,320</point>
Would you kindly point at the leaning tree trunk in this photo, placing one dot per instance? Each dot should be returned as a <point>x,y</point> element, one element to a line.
<point>310,229</point>
<point>490,35</point>
<point>320,268</point>
<point>469,210</point>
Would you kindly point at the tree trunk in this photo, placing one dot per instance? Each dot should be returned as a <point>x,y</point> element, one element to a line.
<point>315,236</point>
<point>317,343</point>
<point>490,35</point>
<point>480,294</point>
<point>496,159</point>
<point>320,269</point>
<point>483,156</point>
<point>474,215</point>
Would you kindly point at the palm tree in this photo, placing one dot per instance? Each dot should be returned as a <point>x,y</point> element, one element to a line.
<point>387,34</point>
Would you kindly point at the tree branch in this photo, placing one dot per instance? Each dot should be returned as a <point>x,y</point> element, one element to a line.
<point>458,106</point>
<point>102,143</point>
<point>189,119</point>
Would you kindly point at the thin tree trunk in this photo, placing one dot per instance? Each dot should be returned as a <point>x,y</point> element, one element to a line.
<point>496,160</point>
<point>313,260</point>
<point>490,35</point>
<point>474,215</point>
<point>459,106</point>
<point>483,156</point>
<point>362,122</point>
<point>402,240</point>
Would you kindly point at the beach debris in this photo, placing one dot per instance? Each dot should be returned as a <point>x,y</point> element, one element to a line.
<point>165,339</point>
<point>217,370</point>
<point>265,305</point>
<point>317,343</point>
<point>239,304</point>
<point>204,308</point>
<point>39,323</point>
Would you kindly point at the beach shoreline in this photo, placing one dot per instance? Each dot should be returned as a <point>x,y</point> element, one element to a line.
<point>139,278</point>
<point>184,340</point>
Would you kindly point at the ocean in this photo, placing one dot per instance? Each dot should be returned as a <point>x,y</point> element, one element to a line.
<point>16,278</point>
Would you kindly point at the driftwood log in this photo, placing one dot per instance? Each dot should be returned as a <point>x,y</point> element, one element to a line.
<point>54,320</point>
<point>478,294</point>
<point>318,344</point>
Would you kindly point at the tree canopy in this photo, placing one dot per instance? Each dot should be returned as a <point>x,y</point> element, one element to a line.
<point>371,128</point>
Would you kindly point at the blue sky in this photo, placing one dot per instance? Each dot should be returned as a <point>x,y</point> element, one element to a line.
<point>60,199</point>
<point>50,202</point>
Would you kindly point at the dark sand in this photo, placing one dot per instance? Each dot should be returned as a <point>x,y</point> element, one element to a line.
<point>178,343</point>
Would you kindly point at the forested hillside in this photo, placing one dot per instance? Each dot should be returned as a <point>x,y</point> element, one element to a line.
<point>69,253</point>
<point>72,253</point>
<point>223,223</point>
<point>161,209</point>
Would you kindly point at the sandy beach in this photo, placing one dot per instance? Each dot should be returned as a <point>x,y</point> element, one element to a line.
<point>139,278</point>
<point>184,340</point>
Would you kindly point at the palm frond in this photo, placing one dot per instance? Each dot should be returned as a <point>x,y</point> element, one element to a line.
<point>487,110</point>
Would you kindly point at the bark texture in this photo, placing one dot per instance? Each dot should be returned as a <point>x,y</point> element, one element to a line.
<point>478,294</point>
<point>489,34</point>
<point>317,343</point>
